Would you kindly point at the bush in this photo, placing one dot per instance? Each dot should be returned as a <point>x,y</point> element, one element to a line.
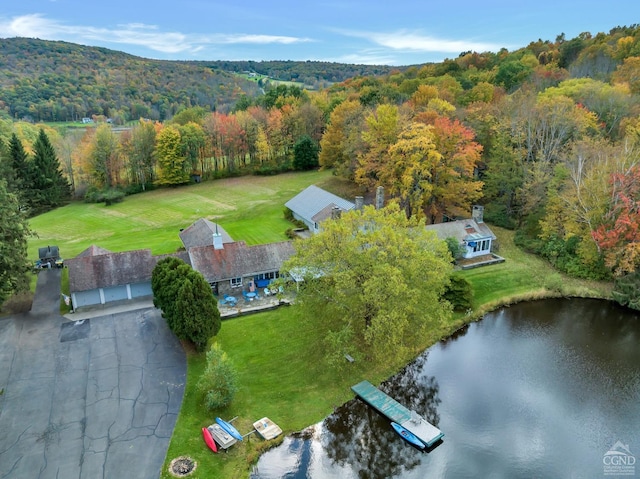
<point>219,380</point>
<point>455,248</point>
<point>459,293</point>
<point>108,197</point>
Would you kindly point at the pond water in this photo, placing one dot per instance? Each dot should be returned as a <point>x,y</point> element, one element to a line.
<point>541,389</point>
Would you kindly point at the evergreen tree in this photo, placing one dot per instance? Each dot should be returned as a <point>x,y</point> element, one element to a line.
<point>49,188</point>
<point>6,169</point>
<point>626,290</point>
<point>14,231</point>
<point>18,182</point>
<point>186,301</point>
<point>305,154</point>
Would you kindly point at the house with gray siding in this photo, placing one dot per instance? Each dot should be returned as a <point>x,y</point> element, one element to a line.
<point>313,205</point>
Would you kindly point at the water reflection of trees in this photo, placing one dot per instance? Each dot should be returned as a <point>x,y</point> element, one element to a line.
<point>357,436</point>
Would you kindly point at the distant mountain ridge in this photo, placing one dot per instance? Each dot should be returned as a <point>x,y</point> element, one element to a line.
<point>44,80</point>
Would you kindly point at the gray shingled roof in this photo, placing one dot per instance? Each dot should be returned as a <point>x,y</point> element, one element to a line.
<point>312,200</point>
<point>94,250</point>
<point>201,233</point>
<point>462,230</point>
<point>237,260</point>
<point>90,271</point>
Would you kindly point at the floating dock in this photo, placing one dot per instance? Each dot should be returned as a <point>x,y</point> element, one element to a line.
<point>396,412</point>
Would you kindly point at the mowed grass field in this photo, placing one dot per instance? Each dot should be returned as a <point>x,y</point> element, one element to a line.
<point>249,208</point>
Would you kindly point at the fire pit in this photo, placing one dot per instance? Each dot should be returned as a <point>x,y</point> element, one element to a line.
<point>182,466</point>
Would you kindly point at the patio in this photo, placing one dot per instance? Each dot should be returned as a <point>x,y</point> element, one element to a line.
<point>252,304</point>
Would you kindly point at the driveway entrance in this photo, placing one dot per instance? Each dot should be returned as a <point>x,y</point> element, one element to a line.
<point>96,398</point>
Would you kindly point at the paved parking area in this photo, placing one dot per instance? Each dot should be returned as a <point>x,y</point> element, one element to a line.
<point>96,398</point>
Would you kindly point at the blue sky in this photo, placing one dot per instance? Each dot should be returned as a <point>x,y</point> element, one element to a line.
<point>391,32</point>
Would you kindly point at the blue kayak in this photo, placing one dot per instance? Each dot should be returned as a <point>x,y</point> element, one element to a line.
<point>407,435</point>
<point>229,429</point>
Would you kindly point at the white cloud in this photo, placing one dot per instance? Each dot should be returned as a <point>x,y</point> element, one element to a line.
<point>150,36</point>
<point>413,41</point>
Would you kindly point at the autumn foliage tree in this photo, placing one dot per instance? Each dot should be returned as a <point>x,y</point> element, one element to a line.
<point>173,168</point>
<point>619,236</point>
<point>378,278</point>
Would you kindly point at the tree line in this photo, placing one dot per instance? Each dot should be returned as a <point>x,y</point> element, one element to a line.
<point>546,137</point>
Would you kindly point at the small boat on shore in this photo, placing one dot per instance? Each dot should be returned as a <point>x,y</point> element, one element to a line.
<point>229,429</point>
<point>266,428</point>
<point>408,436</point>
<point>208,439</point>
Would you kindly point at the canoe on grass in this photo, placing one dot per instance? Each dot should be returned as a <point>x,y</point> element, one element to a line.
<point>229,428</point>
<point>407,435</point>
<point>206,434</point>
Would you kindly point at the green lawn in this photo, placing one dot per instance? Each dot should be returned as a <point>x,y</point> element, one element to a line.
<point>249,209</point>
<point>282,372</point>
<point>280,363</point>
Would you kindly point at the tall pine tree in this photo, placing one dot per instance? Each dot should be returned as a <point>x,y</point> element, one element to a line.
<point>49,188</point>
<point>14,231</point>
<point>19,176</point>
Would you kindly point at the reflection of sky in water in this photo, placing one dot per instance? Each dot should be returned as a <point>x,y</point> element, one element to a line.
<point>540,389</point>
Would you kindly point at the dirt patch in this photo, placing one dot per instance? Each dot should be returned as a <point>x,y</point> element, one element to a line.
<point>18,303</point>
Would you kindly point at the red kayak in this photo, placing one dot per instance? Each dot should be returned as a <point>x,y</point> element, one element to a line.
<point>206,434</point>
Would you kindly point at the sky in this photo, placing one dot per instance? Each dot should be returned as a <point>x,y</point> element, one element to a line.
<point>388,32</point>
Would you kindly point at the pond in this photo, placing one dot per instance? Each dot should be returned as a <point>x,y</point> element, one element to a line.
<point>540,389</point>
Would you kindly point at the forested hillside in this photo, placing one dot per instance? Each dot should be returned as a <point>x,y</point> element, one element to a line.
<point>312,73</point>
<point>546,137</point>
<point>59,81</point>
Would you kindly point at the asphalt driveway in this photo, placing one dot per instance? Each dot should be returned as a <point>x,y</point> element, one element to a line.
<point>96,398</point>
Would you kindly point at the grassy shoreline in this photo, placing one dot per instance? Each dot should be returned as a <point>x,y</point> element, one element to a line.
<point>282,376</point>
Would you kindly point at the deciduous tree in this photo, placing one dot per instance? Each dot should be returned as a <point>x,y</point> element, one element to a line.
<point>172,164</point>
<point>378,279</point>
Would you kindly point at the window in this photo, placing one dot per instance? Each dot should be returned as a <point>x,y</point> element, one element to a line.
<point>270,275</point>
<point>236,282</point>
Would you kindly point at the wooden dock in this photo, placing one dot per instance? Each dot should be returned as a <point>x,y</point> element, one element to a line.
<point>396,412</point>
